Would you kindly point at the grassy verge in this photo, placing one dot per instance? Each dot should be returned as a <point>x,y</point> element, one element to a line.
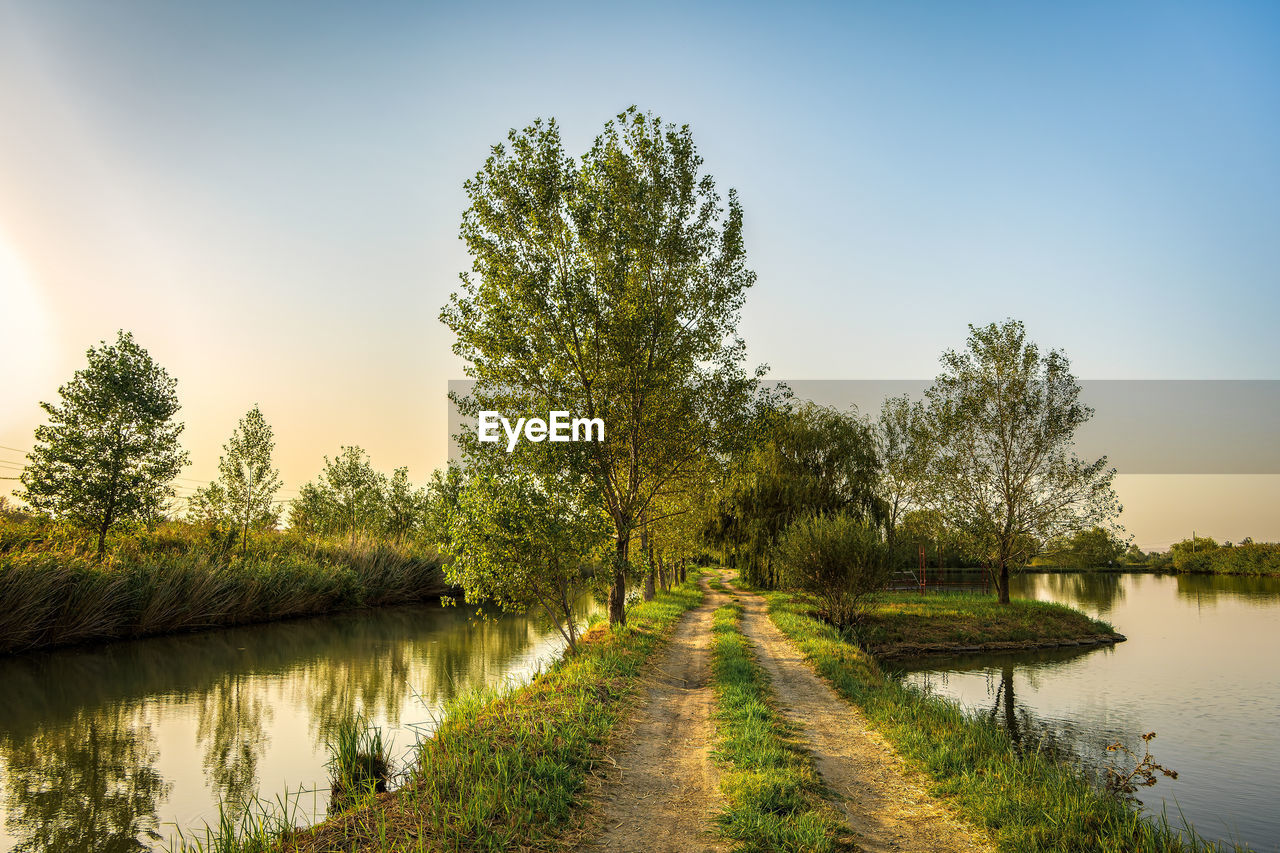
<point>505,769</point>
<point>773,795</point>
<point>903,622</point>
<point>55,592</point>
<point>1027,801</point>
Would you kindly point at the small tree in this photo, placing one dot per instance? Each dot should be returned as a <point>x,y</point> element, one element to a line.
<point>521,544</point>
<point>403,506</point>
<point>347,498</point>
<point>1003,419</point>
<point>110,448</point>
<point>838,559</point>
<point>243,496</point>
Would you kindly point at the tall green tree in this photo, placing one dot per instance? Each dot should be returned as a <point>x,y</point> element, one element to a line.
<point>609,286</point>
<point>1005,473</point>
<point>110,449</point>
<point>243,496</point>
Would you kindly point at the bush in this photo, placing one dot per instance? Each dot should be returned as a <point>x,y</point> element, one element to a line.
<point>839,560</point>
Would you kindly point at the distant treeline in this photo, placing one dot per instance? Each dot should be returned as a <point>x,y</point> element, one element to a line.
<point>1203,555</point>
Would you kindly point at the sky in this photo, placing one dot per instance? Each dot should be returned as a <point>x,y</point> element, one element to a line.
<point>268,196</point>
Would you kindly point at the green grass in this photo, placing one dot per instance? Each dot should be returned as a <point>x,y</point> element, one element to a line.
<point>359,761</point>
<point>773,794</point>
<point>54,591</point>
<point>506,768</point>
<point>1028,802</point>
<point>965,619</point>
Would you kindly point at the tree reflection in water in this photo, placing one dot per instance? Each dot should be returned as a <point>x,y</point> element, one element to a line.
<point>78,760</point>
<point>229,724</point>
<point>89,784</point>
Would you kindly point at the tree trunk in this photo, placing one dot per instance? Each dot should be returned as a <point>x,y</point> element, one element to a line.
<point>1010,708</point>
<point>648,559</point>
<point>102,538</point>
<point>618,591</point>
<point>1003,582</point>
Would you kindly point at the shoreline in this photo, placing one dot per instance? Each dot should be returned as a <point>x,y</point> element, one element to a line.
<point>908,650</point>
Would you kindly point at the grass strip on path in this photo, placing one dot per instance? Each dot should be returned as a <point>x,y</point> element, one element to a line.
<point>1027,801</point>
<point>505,769</point>
<point>773,794</point>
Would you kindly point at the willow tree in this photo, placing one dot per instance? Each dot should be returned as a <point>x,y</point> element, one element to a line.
<point>806,460</point>
<point>609,286</point>
<point>110,449</point>
<point>1004,472</point>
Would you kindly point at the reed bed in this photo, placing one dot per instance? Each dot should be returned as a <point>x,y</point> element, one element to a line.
<point>54,591</point>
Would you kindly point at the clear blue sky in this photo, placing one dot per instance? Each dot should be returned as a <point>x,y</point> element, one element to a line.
<point>268,194</point>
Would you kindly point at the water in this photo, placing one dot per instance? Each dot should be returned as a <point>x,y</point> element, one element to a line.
<point>112,748</point>
<point>1199,669</point>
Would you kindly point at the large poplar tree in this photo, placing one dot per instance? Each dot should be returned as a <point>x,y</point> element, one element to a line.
<point>609,286</point>
<point>110,449</point>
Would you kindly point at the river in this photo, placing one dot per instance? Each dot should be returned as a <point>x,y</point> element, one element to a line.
<point>1200,669</point>
<point>114,748</point>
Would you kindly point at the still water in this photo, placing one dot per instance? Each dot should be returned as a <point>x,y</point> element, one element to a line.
<point>1200,669</point>
<point>112,748</point>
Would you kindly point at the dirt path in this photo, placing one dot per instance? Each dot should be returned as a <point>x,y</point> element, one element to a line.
<point>661,795</point>
<point>886,805</point>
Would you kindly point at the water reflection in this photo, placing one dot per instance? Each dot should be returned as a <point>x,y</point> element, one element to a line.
<point>230,725</point>
<point>1198,669</point>
<point>88,784</point>
<point>111,748</point>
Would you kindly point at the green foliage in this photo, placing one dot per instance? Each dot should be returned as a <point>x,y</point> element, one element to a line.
<point>1003,419</point>
<point>773,794</point>
<point>351,499</point>
<point>810,459</point>
<point>904,447</point>
<point>610,286</point>
<point>838,559</point>
<point>110,448</point>
<point>521,544</point>
<point>1206,555</point>
<point>243,497</point>
<point>1084,549</point>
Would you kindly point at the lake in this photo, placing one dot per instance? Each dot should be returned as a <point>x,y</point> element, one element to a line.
<point>1200,669</point>
<point>112,748</point>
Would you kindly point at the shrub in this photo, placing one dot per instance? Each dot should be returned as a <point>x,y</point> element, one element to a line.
<point>839,560</point>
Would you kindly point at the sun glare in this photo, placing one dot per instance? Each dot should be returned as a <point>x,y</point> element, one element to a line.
<point>26,343</point>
